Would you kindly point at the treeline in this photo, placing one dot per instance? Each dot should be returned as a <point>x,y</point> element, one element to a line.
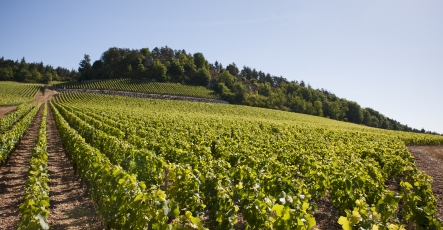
<point>163,65</point>
<point>23,71</point>
<point>245,86</point>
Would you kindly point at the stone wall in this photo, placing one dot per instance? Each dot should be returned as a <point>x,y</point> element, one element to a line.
<point>143,95</point>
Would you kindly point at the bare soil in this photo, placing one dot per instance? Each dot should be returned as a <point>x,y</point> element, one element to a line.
<point>71,208</point>
<point>13,176</point>
<point>326,215</point>
<point>45,95</point>
<point>430,160</point>
<point>42,96</point>
<point>5,110</point>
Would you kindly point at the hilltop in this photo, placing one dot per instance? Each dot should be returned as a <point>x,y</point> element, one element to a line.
<point>244,86</point>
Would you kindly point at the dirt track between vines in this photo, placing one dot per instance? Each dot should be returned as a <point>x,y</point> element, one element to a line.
<point>71,207</point>
<point>5,110</point>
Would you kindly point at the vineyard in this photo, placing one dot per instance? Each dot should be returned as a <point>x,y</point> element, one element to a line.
<point>12,93</point>
<point>186,165</point>
<point>143,86</point>
<point>160,164</point>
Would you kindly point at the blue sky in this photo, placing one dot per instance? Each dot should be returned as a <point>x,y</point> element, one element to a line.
<point>386,55</point>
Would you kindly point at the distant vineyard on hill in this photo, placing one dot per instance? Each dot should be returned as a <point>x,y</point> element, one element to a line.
<point>13,93</point>
<point>142,86</point>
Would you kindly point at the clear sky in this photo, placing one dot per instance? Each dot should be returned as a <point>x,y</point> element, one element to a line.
<point>386,55</point>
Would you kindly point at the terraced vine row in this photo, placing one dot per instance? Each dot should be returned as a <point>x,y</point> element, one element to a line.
<point>10,137</point>
<point>13,93</point>
<point>7,122</point>
<point>236,165</point>
<point>142,86</point>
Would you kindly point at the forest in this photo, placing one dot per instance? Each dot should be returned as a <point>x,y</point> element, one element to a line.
<point>244,86</point>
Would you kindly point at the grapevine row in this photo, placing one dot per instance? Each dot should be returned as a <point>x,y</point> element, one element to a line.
<point>185,192</point>
<point>34,209</point>
<point>132,85</point>
<point>122,201</point>
<point>13,93</point>
<point>9,120</point>
<point>10,138</point>
<point>271,171</point>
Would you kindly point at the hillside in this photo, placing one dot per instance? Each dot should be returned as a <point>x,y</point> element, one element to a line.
<point>185,165</point>
<point>142,86</point>
<point>226,166</point>
<point>245,86</point>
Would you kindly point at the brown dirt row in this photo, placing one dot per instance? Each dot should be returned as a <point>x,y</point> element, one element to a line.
<point>5,110</point>
<point>41,97</point>
<point>430,160</point>
<point>44,95</point>
<point>13,176</point>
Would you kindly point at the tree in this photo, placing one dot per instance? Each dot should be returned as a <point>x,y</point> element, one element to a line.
<point>176,70</point>
<point>47,77</point>
<point>202,77</point>
<point>145,52</point>
<point>6,74</point>
<point>200,61</point>
<point>239,91</point>
<point>298,104</point>
<point>309,108</point>
<point>227,79</point>
<point>265,89</point>
<point>158,71</point>
<point>225,93</point>
<point>318,108</point>
<point>366,117</point>
<point>36,76</point>
<point>141,71</point>
<point>85,68</point>
<point>233,70</point>
<point>332,110</point>
<point>354,113</point>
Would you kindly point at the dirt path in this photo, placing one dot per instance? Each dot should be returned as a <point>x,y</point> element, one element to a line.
<point>71,207</point>
<point>45,95</point>
<point>13,176</point>
<point>41,97</point>
<point>430,160</point>
<point>5,110</point>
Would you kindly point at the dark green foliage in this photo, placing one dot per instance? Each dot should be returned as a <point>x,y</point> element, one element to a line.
<point>246,86</point>
<point>32,72</point>
<point>202,77</point>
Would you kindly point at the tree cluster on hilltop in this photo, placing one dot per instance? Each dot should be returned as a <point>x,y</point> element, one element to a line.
<point>23,71</point>
<point>245,86</point>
